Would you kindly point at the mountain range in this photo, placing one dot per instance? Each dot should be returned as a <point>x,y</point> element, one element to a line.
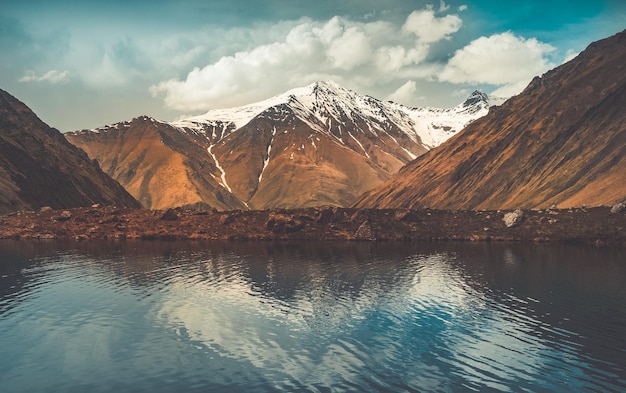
<point>316,145</point>
<point>39,167</point>
<point>562,142</point>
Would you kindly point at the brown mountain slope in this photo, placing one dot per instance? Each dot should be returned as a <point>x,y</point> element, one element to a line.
<point>325,146</point>
<point>159,165</point>
<point>278,160</point>
<point>262,165</point>
<point>38,167</point>
<point>311,146</point>
<point>561,141</point>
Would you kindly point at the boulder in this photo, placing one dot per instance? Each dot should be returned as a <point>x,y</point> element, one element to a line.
<point>513,219</point>
<point>169,215</point>
<point>364,232</point>
<point>618,208</point>
<point>406,215</point>
<point>283,223</point>
<point>65,216</point>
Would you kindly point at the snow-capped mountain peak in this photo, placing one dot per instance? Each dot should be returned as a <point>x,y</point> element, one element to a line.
<point>475,98</point>
<point>436,125</point>
<point>479,99</point>
<point>240,116</point>
<point>320,144</point>
<point>325,104</point>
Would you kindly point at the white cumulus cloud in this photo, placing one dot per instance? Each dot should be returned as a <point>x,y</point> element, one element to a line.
<point>52,76</point>
<point>429,28</point>
<point>361,55</point>
<point>394,58</point>
<point>350,49</point>
<point>503,59</point>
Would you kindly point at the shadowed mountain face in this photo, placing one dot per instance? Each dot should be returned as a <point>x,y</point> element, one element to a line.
<point>38,167</point>
<point>312,146</point>
<point>561,141</point>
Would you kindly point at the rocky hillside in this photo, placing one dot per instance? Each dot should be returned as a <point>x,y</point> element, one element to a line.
<point>38,167</point>
<point>317,145</point>
<point>562,141</point>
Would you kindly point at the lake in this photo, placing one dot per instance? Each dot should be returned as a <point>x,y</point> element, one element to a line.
<point>311,317</point>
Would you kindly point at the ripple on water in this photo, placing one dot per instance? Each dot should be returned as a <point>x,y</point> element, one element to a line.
<point>260,318</point>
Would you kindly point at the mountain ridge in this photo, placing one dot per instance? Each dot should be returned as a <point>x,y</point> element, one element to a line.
<point>316,145</point>
<point>307,99</point>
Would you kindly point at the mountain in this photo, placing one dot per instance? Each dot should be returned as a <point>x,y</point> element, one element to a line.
<point>561,141</point>
<point>38,167</point>
<point>157,163</point>
<point>316,145</point>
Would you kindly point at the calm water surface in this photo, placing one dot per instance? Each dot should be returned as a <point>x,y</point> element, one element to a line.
<point>327,317</point>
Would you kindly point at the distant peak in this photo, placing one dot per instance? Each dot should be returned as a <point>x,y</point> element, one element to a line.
<point>475,98</point>
<point>145,118</point>
<point>478,93</point>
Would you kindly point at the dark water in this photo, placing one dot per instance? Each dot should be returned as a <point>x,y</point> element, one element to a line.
<point>255,317</point>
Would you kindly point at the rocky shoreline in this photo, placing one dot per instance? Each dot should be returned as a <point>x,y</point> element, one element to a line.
<point>599,226</point>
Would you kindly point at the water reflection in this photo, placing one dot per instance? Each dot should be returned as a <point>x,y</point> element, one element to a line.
<point>158,316</point>
<point>565,305</point>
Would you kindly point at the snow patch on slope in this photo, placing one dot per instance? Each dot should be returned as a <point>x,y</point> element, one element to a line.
<point>436,125</point>
<point>240,116</point>
<point>267,158</point>
<point>224,183</point>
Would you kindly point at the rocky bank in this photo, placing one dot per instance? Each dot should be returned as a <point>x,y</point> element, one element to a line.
<point>598,225</point>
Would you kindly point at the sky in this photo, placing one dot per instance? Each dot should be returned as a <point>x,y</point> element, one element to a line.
<point>84,64</point>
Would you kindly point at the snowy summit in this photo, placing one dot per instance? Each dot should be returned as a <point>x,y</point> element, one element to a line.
<point>321,103</point>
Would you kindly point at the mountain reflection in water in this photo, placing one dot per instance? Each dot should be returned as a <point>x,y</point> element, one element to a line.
<point>163,316</point>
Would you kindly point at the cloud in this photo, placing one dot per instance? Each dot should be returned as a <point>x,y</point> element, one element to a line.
<point>362,55</point>
<point>429,28</point>
<point>405,93</point>
<point>394,58</point>
<point>443,7</point>
<point>502,59</point>
<point>248,75</point>
<point>52,76</point>
<point>350,49</point>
